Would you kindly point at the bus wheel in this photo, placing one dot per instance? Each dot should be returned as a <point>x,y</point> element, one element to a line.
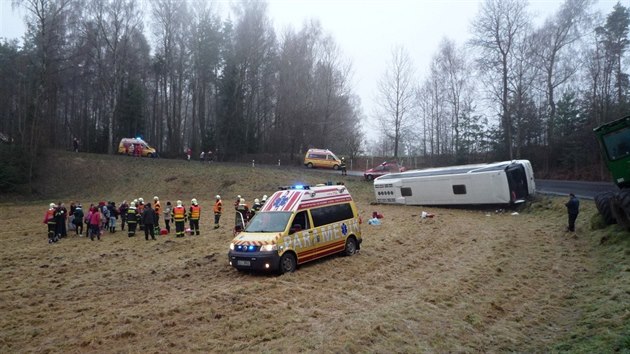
<point>351,246</point>
<point>287,263</point>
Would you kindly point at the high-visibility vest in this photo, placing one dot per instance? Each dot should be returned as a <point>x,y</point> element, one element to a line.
<point>218,205</point>
<point>157,207</point>
<point>195,210</point>
<point>179,213</point>
<point>50,217</point>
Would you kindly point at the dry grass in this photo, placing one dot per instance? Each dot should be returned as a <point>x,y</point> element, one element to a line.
<point>465,281</point>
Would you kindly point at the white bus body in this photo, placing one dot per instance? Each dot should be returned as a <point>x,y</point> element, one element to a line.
<point>506,182</point>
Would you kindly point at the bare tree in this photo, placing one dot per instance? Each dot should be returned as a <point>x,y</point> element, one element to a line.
<point>496,31</point>
<point>396,97</point>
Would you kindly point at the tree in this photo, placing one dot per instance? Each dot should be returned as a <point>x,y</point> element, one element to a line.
<point>396,97</point>
<point>496,31</point>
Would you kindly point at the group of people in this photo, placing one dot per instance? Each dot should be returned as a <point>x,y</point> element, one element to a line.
<point>136,215</point>
<point>247,212</point>
<point>203,156</point>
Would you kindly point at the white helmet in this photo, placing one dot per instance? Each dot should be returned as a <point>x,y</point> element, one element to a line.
<point>141,200</point>
<point>256,201</point>
<point>133,204</point>
<point>52,205</point>
<point>156,198</point>
<point>194,201</point>
<point>238,197</point>
<point>218,196</point>
<point>264,197</point>
<point>179,203</point>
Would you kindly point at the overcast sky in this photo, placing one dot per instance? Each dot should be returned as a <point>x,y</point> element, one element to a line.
<point>367,30</point>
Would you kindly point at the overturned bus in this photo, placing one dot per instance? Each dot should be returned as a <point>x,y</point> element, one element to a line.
<point>506,182</point>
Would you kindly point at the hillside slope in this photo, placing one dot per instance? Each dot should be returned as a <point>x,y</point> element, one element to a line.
<point>464,281</point>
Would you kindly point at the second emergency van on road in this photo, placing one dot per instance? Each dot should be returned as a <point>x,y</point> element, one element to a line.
<point>297,225</point>
<point>321,158</point>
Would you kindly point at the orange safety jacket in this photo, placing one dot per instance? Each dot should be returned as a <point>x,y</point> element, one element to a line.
<point>195,211</point>
<point>218,205</point>
<point>50,217</point>
<point>179,213</point>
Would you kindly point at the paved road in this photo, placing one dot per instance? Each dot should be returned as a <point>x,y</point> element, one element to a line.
<point>581,189</point>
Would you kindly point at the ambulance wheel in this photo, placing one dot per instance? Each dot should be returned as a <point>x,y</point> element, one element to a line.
<point>369,177</point>
<point>309,165</point>
<point>351,246</point>
<point>335,167</point>
<point>287,263</point>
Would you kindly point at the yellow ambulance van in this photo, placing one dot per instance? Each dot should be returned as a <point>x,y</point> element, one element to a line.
<point>321,158</point>
<point>297,225</point>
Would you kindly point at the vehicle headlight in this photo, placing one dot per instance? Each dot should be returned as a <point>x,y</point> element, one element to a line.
<point>232,246</point>
<point>267,248</point>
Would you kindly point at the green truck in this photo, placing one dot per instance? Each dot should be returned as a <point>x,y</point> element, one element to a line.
<point>614,140</point>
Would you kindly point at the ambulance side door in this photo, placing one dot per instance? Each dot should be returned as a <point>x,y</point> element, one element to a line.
<point>301,234</point>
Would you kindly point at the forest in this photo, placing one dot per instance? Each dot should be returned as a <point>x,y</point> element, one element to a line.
<point>180,74</point>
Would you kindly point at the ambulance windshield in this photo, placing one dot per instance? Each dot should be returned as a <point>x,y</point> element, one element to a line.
<point>273,221</point>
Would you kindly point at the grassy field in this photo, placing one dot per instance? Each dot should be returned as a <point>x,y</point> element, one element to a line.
<point>465,281</point>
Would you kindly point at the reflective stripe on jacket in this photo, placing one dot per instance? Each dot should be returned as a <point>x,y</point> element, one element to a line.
<point>218,205</point>
<point>195,211</point>
<point>179,213</point>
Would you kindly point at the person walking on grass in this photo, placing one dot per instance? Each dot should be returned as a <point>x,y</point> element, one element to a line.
<point>132,219</point>
<point>168,217</point>
<point>218,207</point>
<point>573,209</point>
<point>194,213</point>
<point>148,219</point>
<point>95,224</point>
<point>78,220</point>
<point>179,215</point>
<point>50,221</point>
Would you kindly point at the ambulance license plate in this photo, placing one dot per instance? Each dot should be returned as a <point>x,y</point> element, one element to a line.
<point>244,263</point>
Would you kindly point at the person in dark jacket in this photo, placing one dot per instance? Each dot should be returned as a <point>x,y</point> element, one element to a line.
<point>573,209</point>
<point>78,220</point>
<point>148,219</point>
<point>122,211</point>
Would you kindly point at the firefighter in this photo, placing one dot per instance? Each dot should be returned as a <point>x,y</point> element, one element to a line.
<point>218,206</point>
<point>132,219</point>
<point>157,208</point>
<point>263,200</point>
<point>237,201</point>
<point>179,215</point>
<point>49,219</point>
<point>140,207</point>
<point>255,208</point>
<point>193,215</point>
<point>243,208</point>
<point>342,166</point>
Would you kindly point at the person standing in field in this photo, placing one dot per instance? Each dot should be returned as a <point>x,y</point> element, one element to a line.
<point>132,219</point>
<point>157,207</point>
<point>95,224</point>
<point>202,156</point>
<point>573,209</point>
<point>218,206</point>
<point>342,167</point>
<point>148,219</point>
<point>78,220</point>
<point>168,217</point>
<point>179,215</point>
<point>194,213</point>
<point>122,211</point>
<point>50,221</point>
